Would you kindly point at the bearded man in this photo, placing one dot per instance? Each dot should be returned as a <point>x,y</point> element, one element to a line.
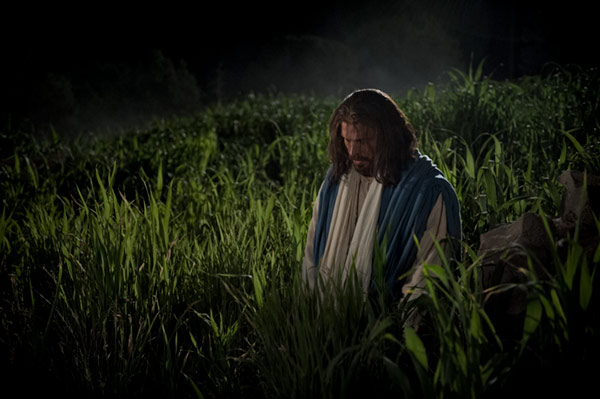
<point>379,190</point>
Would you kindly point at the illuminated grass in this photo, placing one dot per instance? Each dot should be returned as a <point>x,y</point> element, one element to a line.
<point>167,260</point>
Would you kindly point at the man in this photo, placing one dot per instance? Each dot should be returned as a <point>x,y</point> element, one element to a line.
<point>379,190</point>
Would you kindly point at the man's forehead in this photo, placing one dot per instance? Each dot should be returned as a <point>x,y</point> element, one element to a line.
<point>357,131</point>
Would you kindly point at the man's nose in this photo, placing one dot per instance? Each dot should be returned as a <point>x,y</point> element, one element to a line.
<point>353,149</point>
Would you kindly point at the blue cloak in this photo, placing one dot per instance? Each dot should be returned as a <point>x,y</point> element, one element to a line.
<point>405,208</point>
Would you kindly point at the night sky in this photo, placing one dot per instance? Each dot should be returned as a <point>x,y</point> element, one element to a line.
<point>100,65</point>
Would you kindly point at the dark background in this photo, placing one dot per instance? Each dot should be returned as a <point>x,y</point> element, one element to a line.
<point>102,65</point>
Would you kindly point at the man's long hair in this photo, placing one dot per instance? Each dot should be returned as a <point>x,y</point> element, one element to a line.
<point>373,110</point>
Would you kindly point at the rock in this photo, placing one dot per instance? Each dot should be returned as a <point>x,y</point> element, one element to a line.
<point>526,235</point>
<point>578,204</point>
<point>505,250</point>
<point>527,231</point>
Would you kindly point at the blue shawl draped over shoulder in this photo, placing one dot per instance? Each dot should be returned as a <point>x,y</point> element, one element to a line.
<point>405,208</point>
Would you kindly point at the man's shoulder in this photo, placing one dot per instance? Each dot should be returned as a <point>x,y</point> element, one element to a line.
<point>422,176</point>
<point>328,186</point>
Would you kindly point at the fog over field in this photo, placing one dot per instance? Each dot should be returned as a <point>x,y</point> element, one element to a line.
<point>104,67</point>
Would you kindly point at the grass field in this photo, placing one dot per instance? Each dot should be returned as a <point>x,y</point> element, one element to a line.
<point>166,260</point>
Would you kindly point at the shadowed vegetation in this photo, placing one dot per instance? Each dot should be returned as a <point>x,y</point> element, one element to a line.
<point>167,260</point>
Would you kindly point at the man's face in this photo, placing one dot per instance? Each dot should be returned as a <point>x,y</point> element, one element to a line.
<point>360,143</point>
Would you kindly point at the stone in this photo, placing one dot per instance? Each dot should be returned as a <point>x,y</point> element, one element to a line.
<point>506,248</point>
<point>505,251</point>
<point>577,203</point>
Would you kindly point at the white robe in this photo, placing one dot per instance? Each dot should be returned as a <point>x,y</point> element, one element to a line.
<point>415,282</point>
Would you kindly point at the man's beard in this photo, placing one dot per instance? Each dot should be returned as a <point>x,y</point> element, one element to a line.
<point>362,166</point>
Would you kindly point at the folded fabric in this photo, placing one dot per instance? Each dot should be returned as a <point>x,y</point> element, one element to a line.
<point>402,211</point>
<point>350,245</point>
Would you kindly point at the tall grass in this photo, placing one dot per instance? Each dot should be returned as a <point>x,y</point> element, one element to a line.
<point>167,260</point>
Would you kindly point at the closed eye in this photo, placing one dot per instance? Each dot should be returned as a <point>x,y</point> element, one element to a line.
<point>358,141</point>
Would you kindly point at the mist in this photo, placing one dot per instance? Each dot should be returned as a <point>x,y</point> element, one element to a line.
<point>391,48</point>
<point>79,74</point>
